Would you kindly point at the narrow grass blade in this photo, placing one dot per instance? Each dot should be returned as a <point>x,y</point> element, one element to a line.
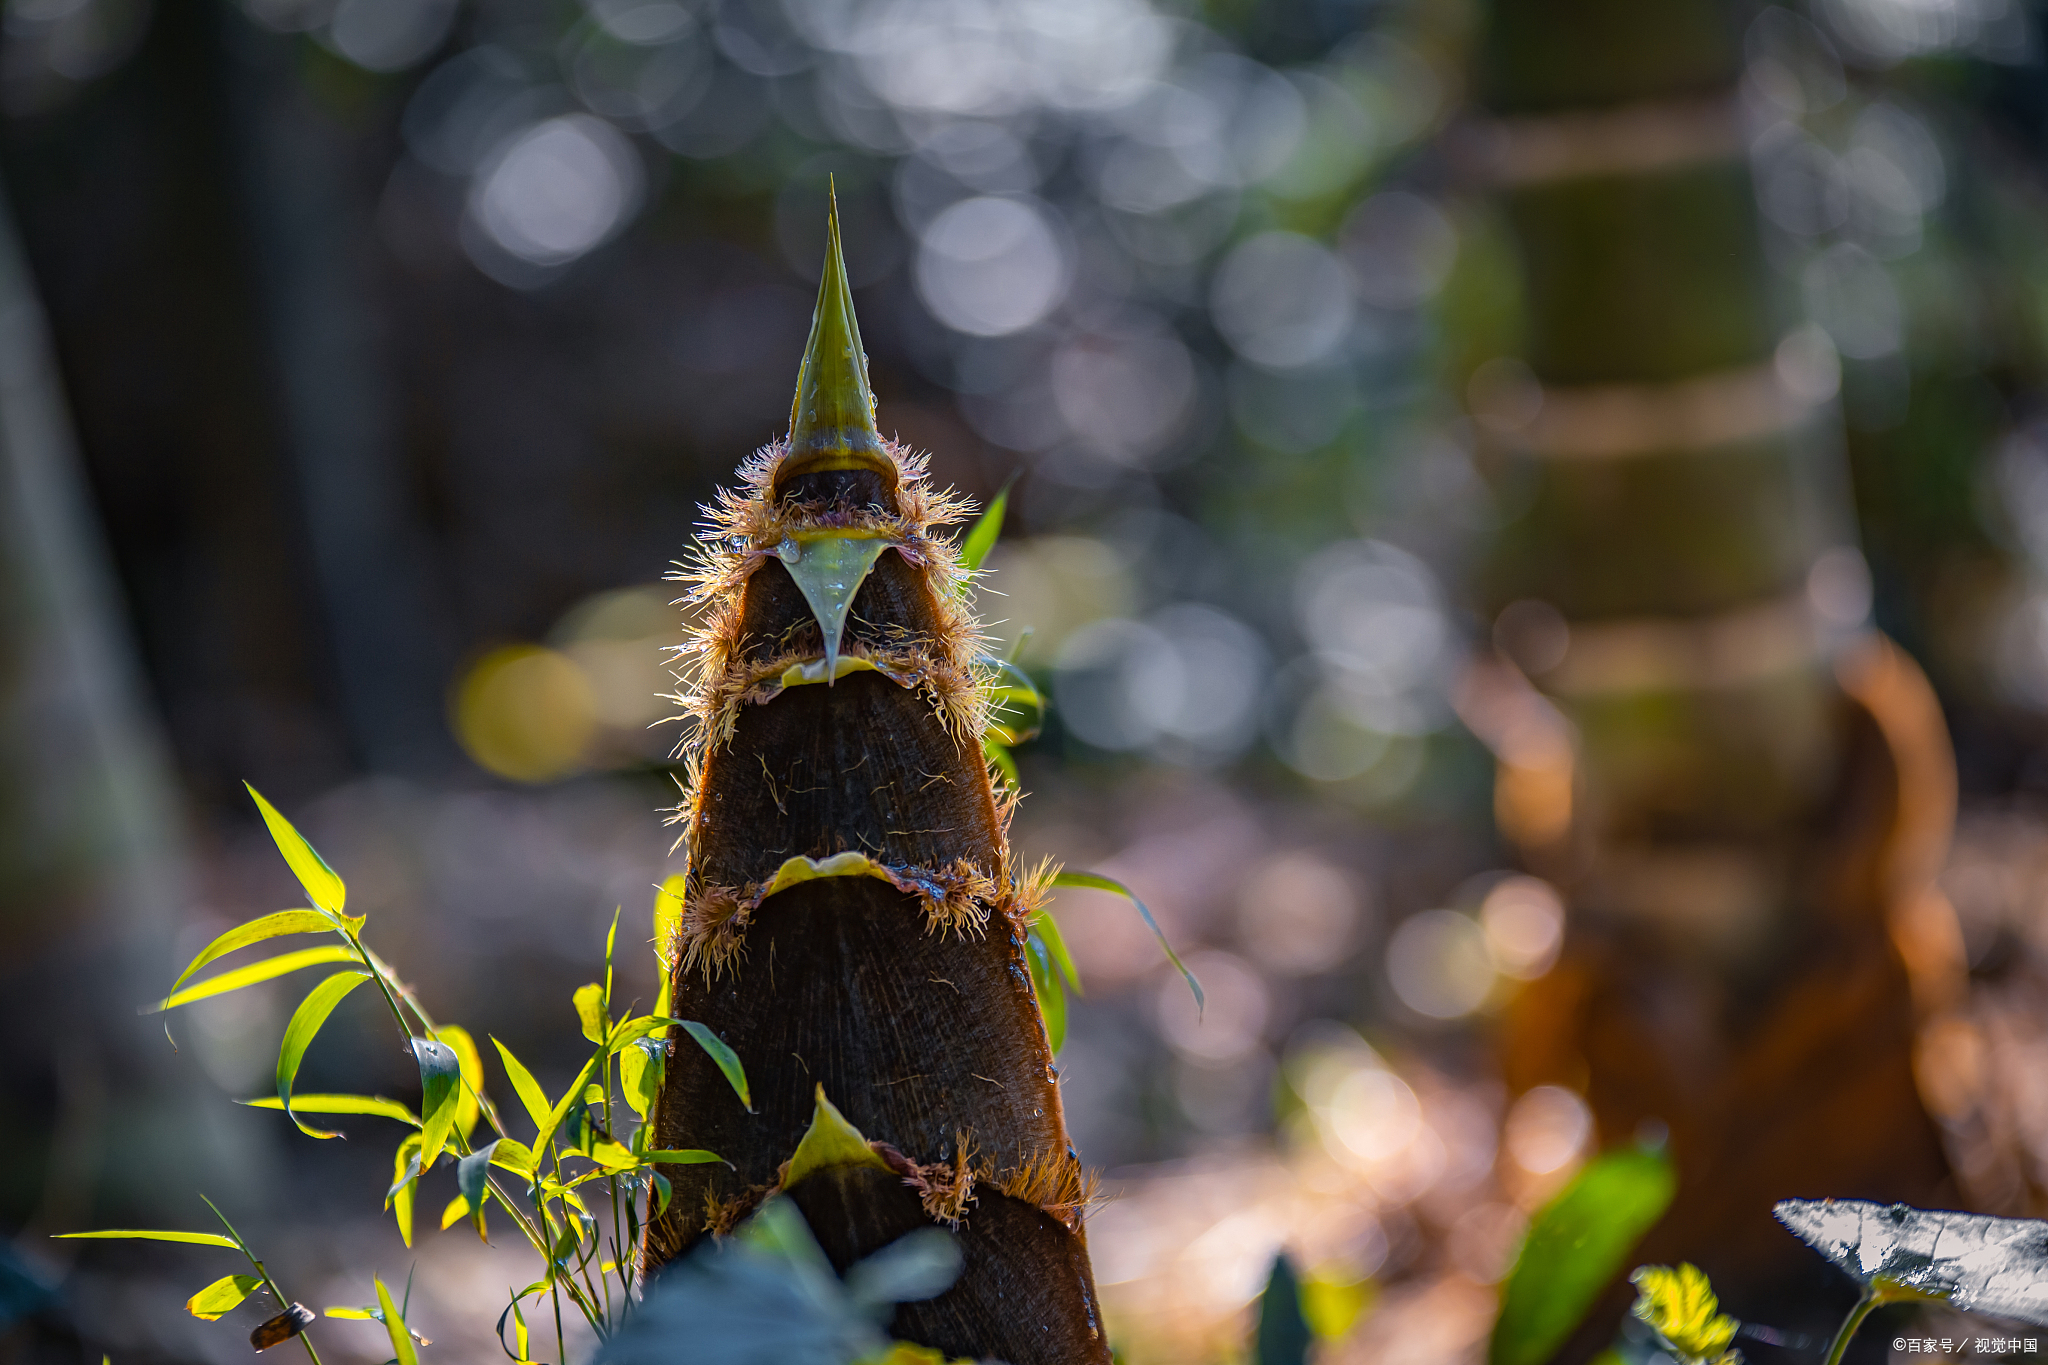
<point>1095,882</point>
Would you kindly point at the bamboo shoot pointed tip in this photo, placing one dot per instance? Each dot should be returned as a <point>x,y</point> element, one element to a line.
<point>832,417</point>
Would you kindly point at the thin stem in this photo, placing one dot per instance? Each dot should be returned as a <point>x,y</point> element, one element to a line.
<point>262,1273</point>
<point>561,1350</point>
<point>1864,1305</point>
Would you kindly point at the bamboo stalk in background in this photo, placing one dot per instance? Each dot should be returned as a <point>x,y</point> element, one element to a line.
<point>853,924</point>
<point>1756,790</point>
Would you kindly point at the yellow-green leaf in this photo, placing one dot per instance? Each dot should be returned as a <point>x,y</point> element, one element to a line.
<point>269,969</point>
<point>405,1185</point>
<point>394,1325</point>
<point>981,537</point>
<point>513,1155</point>
<point>223,1295</point>
<point>726,1059</point>
<point>590,1010</point>
<point>641,1063</point>
<point>668,919</point>
<point>830,1141</point>
<point>375,1105</point>
<point>1679,1305</point>
<point>681,1156</point>
<point>204,1239</point>
<point>468,1107</point>
<point>305,1025</point>
<point>440,1096</point>
<point>531,1097</point>
<point>326,889</point>
<point>277,924</point>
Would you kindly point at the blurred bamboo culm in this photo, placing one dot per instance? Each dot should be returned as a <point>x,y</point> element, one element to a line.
<point>1744,791</point>
<point>853,924</point>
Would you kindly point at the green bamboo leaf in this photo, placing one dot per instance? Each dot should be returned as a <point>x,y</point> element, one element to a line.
<point>641,1064</point>
<point>668,920</point>
<point>1095,882</point>
<point>1283,1336</point>
<point>351,1314</point>
<point>471,1173</point>
<point>573,1095</point>
<point>1576,1245</point>
<point>634,1030</point>
<point>274,925</point>
<point>468,1104</point>
<point>682,1156</point>
<point>514,1155</point>
<point>728,1060</point>
<point>326,889</point>
<point>222,1296</point>
<point>204,1239</point>
<point>299,1034</point>
<point>999,758</point>
<point>1048,929</point>
<point>531,1096</point>
<point>269,969</point>
<point>1045,986</point>
<point>440,1096</point>
<point>375,1105</point>
<point>394,1326</point>
<point>981,537</point>
<point>613,1155</point>
<point>405,1185</point>
<point>590,1010</point>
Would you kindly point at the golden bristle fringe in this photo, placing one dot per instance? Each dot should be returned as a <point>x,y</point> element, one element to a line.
<point>747,525</point>
<point>1055,1182</point>
<point>957,898</point>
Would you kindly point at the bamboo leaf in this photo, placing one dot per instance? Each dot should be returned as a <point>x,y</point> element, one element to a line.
<point>394,1325</point>
<point>375,1105</point>
<point>268,969</point>
<point>634,1030</point>
<point>514,1155</point>
<point>681,1156</point>
<point>981,537</point>
<point>1000,759</point>
<point>613,1155</point>
<point>668,920</point>
<point>1045,986</point>
<point>305,1025</point>
<point>1096,882</point>
<point>1283,1336</point>
<point>590,1010</point>
<point>573,1095</point>
<point>1979,1263</point>
<point>222,1296</point>
<point>1576,1244</point>
<point>728,1061</point>
<point>468,1104</point>
<point>641,1064</point>
<point>326,889</point>
<point>277,924</point>
<point>440,1095</point>
<point>405,1172</point>
<point>531,1096</point>
<point>204,1239</point>
<point>1048,929</point>
<point>471,1173</point>
<point>830,1141</point>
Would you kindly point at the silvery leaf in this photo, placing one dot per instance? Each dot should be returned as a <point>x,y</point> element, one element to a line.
<point>1979,1263</point>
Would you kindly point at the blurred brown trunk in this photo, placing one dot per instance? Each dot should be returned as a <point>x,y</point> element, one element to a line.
<point>1756,791</point>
